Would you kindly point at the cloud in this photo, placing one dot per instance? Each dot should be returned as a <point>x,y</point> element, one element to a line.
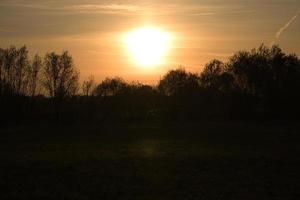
<point>74,8</point>
<point>89,7</point>
<point>100,8</point>
<point>156,9</point>
<point>284,28</point>
<point>134,8</point>
<point>21,4</point>
<point>130,9</point>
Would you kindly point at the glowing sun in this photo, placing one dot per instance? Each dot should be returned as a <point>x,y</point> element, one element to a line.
<point>147,46</point>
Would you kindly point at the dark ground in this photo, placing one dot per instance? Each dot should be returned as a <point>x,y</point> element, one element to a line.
<point>151,161</point>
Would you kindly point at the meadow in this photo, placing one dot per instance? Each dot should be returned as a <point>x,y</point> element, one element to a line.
<point>206,160</point>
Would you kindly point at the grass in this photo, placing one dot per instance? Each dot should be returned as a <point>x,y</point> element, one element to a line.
<point>209,160</point>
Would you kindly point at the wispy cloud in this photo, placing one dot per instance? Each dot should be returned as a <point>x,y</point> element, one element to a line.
<point>155,9</point>
<point>284,28</point>
<point>135,9</point>
<point>20,4</point>
<point>103,8</point>
<point>113,8</point>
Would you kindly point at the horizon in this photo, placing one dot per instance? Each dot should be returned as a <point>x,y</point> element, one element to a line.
<point>93,31</point>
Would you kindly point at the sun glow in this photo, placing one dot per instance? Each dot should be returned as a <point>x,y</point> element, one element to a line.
<point>148,46</point>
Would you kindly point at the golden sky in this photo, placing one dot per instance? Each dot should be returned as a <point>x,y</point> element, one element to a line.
<point>93,30</point>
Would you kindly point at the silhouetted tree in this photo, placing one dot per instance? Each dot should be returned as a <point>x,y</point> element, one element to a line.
<point>210,76</point>
<point>88,86</point>
<point>261,83</point>
<point>13,70</point>
<point>10,56</point>
<point>215,76</point>
<point>178,82</point>
<point>111,87</point>
<point>33,74</point>
<point>269,77</point>
<point>60,75</point>
<point>264,70</point>
<point>251,70</point>
<point>21,67</point>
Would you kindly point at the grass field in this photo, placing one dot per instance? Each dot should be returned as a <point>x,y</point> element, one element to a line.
<point>151,161</point>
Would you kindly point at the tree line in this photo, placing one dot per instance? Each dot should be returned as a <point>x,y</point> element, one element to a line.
<point>262,83</point>
<point>54,74</point>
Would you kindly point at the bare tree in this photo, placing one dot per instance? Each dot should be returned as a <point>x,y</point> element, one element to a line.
<point>60,75</point>
<point>21,67</point>
<point>33,74</point>
<point>13,68</point>
<point>88,86</point>
<point>9,57</point>
<point>51,73</point>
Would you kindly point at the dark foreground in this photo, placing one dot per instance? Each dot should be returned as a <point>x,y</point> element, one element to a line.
<point>190,161</point>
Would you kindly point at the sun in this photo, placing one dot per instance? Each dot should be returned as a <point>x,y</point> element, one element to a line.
<point>147,46</point>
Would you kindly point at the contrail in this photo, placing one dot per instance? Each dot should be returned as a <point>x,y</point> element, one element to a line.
<point>285,27</point>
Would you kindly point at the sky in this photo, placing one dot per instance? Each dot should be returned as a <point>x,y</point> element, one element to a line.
<point>92,30</point>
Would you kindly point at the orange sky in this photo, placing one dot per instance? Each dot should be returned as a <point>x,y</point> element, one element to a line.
<point>93,30</point>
